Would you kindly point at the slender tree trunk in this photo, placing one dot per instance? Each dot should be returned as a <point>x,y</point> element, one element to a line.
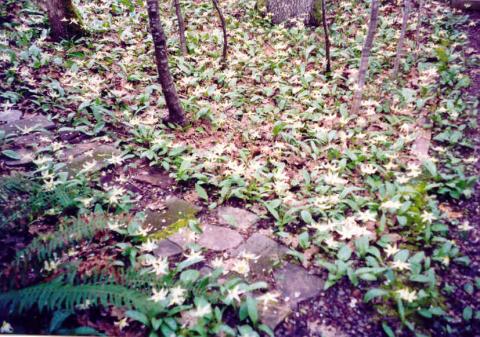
<point>224,29</point>
<point>181,27</point>
<point>419,26</point>
<point>398,57</point>
<point>327,39</point>
<point>176,114</point>
<point>65,23</point>
<point>367,46</point>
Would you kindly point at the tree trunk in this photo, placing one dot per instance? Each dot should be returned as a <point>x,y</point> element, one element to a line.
<point>181,27</point>
<point>367,46</point>
<point>419,27</point>
<point>327,39</point>
<point>65,22</point>
<point>224,29</point>
<point>175,111</point>
<point>398,57</point>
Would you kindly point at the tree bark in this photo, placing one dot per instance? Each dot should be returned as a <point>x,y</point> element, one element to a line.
<point>175,111</point>
<point>65,23</point>
<point>419,27</point>
<point>327,39</point>
<point>398,57</point>
<point>367,46</point>
<point>181,27</point>
<point>224,29</point>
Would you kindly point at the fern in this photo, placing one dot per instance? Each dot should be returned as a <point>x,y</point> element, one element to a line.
<point>57,295</point>
<point>44,246</point>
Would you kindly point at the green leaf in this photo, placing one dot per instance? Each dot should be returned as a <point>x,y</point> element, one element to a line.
<point>138,316</point>
<point>374,293</point>
<point>202,193</point>
<point>189,276</point>
<point>344,253</point>
<point>467,313</point>
<point>11,154</point>
<point>431,167</point>
<point>252,309</point>
<point>388,331</point>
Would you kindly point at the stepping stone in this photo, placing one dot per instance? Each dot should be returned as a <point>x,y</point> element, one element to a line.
<point>325,330</point>
<point>183,237</point>
<point>296,284</point>
<point>273,314</point>
<point>158,179</point>
<point>26,157</point>
<point>422,144</point>
<point>10,115</point>
<point>218,238</point>
<point>31,124</point>
<point>268,252</point>
<point>236,217</point>
<point>167,248</point>
<point>81,154</point>
<point>176,214</point>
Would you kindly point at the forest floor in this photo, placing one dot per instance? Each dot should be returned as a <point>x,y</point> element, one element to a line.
<point>275,211</point>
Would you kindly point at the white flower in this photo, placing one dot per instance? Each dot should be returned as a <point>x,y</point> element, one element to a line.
<point>368,169</point>
<point>114,195</point>
<point>403,179</point>
<point>121,323</point>
<point>194,256</point>
<point>177,295</point>
<point>241,267</point>
<point>427,217</point>
<point>6,327</point>
<point>89,166</point>
<point>159,295</point>
<point>391,250</point>
<point>367,216</point>
<point>160,266</point>
<point>465,226</point>
<point>249,256</point>
<point>268,298</point>
<point>203,310</point>
<point>407,295</point>
<point>391,204</point>
<point>334,179</point>
<point>400,265</point>
<point>234,294</point>
<point>148,246</point>
<point>115,159</point>
<point>218,263</point>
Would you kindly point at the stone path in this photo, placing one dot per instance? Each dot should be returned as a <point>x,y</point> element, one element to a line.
<point>260,257</point>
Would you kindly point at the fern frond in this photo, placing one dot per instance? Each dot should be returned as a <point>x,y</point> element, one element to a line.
<point>57,295</point>
<point>43,247</point>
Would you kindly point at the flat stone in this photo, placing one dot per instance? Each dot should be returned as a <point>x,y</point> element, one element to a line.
<point>296,284</point>
<point>268,253</point>
<point>26,157</point>
<point>167,248</point>
<point>176,210</point>
<point>183,237</point>
<point>274,313</point>
<point>219,238</point>
<point>158,179</point>
<point>236,217</point>
<point>35,123</point>
<point>422,144</point>
<point>80,154</point>
<point>10,115</point>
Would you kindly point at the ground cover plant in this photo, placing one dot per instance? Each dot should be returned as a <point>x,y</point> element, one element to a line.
<point>280,181</point>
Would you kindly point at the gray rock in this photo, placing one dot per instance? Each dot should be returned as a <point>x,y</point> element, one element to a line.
<point>274,313</point>
<point>176,214</point>
<point>236,217</point>
<point>219,238</point>
<point>10,115</point>
<point>296,284</point>
<point>324,330</point>
<point>35,123</point>
<point>158,179</point>
<point>26,157</point>
<point>80,154</point>
<point>167,248</point>
<point>268,251</point>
